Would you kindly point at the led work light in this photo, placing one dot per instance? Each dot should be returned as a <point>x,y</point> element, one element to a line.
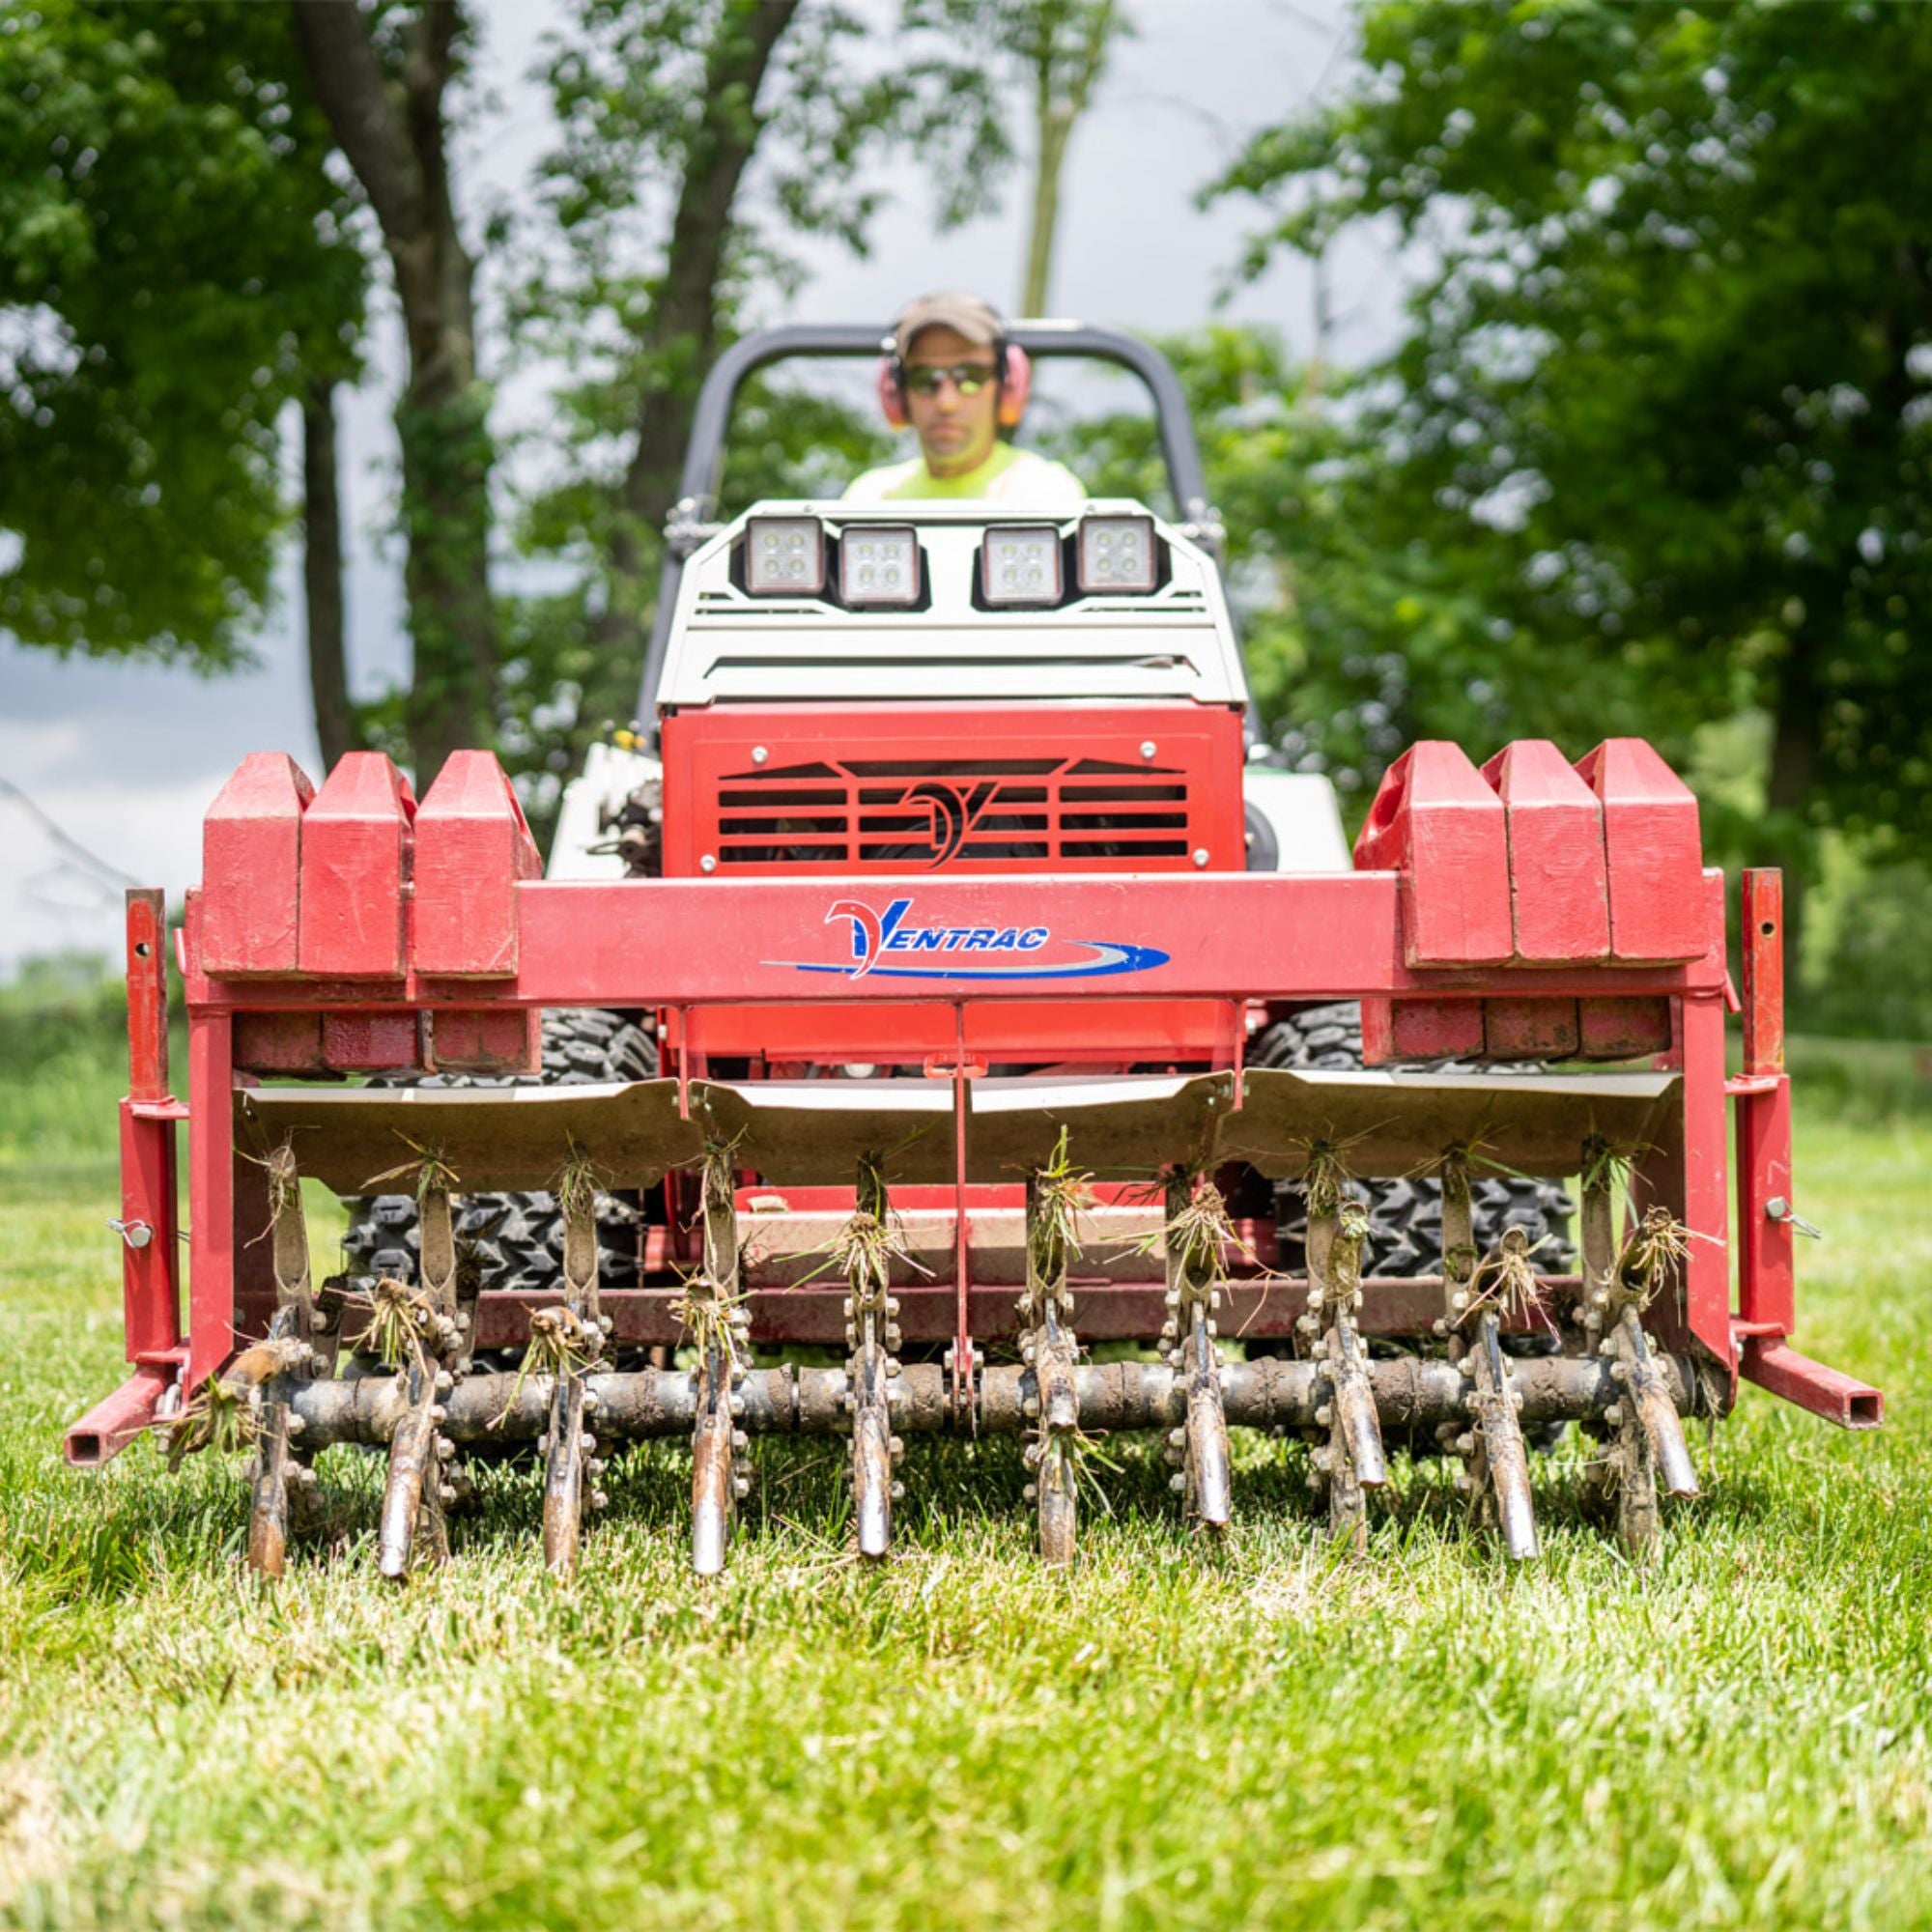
<point>878,565</point>
<point>1019,563</point>
<point>784,554</point>
<point>1115,553</point>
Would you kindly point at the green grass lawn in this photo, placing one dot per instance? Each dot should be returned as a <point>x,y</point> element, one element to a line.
<point>1174,1734</point>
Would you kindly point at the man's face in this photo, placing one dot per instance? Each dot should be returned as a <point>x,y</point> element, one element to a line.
<point>955,431</point>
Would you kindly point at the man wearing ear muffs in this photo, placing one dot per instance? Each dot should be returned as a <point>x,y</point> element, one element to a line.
<point>951,374</point>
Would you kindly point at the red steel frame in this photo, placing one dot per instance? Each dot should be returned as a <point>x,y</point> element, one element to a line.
<point>1231,938</point>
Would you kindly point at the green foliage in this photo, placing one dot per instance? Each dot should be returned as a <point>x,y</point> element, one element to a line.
<point>1655,448</point>
<point>172,268</point>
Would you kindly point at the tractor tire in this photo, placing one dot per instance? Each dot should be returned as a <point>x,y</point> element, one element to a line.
<point>516,1241</point>
<point>1406,1216</point>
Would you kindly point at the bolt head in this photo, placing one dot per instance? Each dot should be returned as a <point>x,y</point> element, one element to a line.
<point>1030,1492</point>
<point>760,754</point>
<point>707,863</point>
<point>446,1492</point>
<point>1178,1482</point>
<point>1146,748</point>
<point>1614,1415</point>
<point>894,1446</point>
<point>897,1493</point>
<point>1324,1417</point>
<point>741,1486</point>
<point>599,1500</point>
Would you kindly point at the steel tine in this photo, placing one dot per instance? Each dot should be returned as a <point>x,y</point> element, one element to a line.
<point>1503,1444</point>
<point>269,1492</point>
<point>871,1334</point>
<point>1657,1413</point>
<point>711,1499</point>
<point>1354,1401</point>
<point>563,1477</point>
<point>410,1451</point>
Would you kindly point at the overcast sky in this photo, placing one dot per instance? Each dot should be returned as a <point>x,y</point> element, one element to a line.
<point>126,758</point>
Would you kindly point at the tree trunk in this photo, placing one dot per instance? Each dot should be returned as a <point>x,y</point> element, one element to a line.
<point>335,726</point>
<point>680,339</point>
<point>395,140</point>
<point>1063,81</point>
<point>1055,126</point>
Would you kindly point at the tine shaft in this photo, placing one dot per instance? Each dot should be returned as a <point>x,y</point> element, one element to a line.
<point>1210,1485</point>
<point>563,1478</point>
<point>410,1450</point>
<point>1059,1512</point>
<point>710,1494</point>
<point>1502,1441</point>
<point>1656,1411</point>
<point>269,1495</point>
<point>1355,1406</point>
<point>870,1337</point>
<point>872,1475</point>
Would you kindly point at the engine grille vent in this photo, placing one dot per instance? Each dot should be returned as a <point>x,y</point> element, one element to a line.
<point>929,813</point>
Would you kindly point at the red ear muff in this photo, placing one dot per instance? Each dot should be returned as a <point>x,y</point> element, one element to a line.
<point>1015,386</point>
<point>892,397</point>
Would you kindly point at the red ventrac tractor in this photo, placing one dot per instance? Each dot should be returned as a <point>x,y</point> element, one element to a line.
<point>938,988</point>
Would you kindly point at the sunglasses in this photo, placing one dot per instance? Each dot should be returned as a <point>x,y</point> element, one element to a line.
<point>968,378</point>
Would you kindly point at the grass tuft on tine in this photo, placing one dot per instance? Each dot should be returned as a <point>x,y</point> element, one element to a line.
<point>393,1332</point>
<point>560,1346</point>
<point>1199,1235</point>
<point>427,1171</point>
<point>1062,1196</point>
<point>220,1416</point>
<point>1608,1165</point>
<point>1654,1255</point>
<point>1326,1174</point>
<point>284,1179</point>
<point>574,1185</point>
<point>1505,1279</point>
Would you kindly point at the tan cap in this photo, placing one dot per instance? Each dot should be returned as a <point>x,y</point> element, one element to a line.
<point>965,315</point>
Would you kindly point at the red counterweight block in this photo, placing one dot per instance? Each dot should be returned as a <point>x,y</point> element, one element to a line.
<point>472,847</point>
<point>1559,896</point>
<point>250,868</point>
<point>1436,824</point>
<point>1660,911</point>
<point>355,862</point>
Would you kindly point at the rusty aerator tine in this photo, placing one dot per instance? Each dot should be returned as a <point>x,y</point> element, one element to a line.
<point>871,1336</point>
<point>1197,1448</point>
<point>718,1484</point>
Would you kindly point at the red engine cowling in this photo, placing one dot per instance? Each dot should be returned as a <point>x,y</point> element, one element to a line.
<point>789,790</point>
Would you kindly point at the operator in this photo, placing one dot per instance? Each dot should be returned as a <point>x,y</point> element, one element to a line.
<point>951,374</point>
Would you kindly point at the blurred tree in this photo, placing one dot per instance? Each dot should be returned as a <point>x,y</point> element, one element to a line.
<point>385,79</point>
<point>697,135</point>
<point>1655,446</point>
<point>1052,54</point>
<point>175,269</point>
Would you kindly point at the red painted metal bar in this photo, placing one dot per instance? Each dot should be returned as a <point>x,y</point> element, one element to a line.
<point>1838,1398</point>
<point>1230,936</point>
<point>108,1427</point>
<point>1767,1271</point>
<point>150,1294</point>
<point>210,1079</point>
<point>1705,1207</point>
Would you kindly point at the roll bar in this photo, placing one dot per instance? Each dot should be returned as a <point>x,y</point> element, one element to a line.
<point>689,523</point>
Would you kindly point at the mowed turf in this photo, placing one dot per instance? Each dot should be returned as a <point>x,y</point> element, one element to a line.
<point>1178,1733</point>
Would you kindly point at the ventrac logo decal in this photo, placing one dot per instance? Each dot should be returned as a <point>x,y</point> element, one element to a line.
<point>889,946</point>
<point>953,813</point>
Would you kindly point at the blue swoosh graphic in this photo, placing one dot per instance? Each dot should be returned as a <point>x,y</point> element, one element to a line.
<point>1113,959</point>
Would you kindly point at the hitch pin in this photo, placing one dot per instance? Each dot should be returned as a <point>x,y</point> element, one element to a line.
<point>1778,1208</point>
<point>136,1234</point>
